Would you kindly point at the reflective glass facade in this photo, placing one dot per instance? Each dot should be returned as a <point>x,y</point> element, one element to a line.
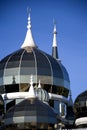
<point>30,110</point>
<point>22,63</point>
<point>80,105</point>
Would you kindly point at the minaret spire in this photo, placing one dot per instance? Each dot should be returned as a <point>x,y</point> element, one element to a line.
<point>29,41</point>
<point>70,103</point>
<point>70,116</point>
<point>54,46</point>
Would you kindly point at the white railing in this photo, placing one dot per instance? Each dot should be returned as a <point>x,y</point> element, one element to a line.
<point>17,95</point>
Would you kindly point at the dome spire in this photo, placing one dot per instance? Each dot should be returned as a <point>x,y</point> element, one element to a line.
<point>39,85</point>
<point>54,46</point>
<point>31,89</point>
<point>29,41</point>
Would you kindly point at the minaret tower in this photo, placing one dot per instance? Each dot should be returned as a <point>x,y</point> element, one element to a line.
<point>70,113</point>
<point>70,102</point>
<point>54,46</point>
<point>29,41</point>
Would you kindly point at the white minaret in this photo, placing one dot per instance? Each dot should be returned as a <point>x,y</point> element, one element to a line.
<point>29,41</point>
<point>70,102</point>
<point>54,46</point>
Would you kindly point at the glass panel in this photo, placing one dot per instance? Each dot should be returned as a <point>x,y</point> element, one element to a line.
<point>11,72</point>
<point>44,71</point>
<point>28,63</point>
<point>57,72</point>
<point>13,64</point>
<point>1,73</point>
<point>28,71</point>
<point>65,73</point>
<point>28,60</point>
<point>62,91</point>
<point>24,87</point>
<point>16,56</point>
<point>43,65</point>
<point>2,65</point>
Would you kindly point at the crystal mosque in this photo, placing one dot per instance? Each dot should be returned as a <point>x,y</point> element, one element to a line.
<point>35,90</point>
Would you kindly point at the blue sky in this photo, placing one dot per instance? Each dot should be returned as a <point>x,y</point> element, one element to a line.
<point>71,19</point>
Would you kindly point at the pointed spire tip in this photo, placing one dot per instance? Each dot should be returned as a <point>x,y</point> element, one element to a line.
<point>31,89</point>
<point>39,85</point>
<point>29,41</point>
<point>54,46</point>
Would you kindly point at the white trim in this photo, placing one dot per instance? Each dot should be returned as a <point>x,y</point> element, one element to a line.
<point>18,95</point>
<point>80,121</point>
<point>58,97</point>
<point>19,71</point>
<point>35,65</point>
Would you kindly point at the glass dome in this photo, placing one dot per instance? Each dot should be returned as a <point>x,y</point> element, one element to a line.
<point>30,112</point>
<point>81,105</point>
<point>16,69</point>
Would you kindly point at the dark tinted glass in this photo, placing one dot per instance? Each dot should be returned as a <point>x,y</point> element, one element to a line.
<point>2,65</point>
<point>13,64</point>
<point>66,76</point>
<point>1,72</point>
<point>57,72</point>
<point>27,71</point>
<point>28,60</point>
<point>43,65</point>
<point>14,59</point>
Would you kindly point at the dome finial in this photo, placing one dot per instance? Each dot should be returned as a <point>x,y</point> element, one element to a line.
<point>29,41</point>
<point>31,89</point>
<point>39,85</point>
<point>29,18</point>
<point>54,46</point>
<point>55,32</point>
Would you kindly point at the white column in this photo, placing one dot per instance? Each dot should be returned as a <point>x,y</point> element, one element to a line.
<point>60,108</point>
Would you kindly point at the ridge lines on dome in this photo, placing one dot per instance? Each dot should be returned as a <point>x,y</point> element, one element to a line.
<point>45,54</point>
